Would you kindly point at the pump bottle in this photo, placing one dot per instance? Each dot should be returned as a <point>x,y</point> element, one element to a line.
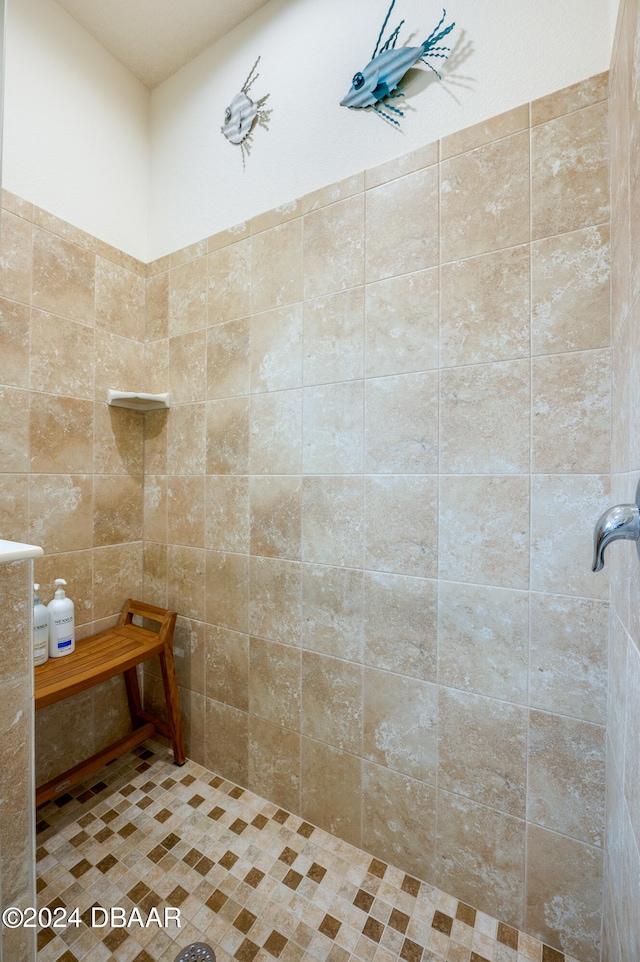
<point>40,630</point>
<point>61,623</point>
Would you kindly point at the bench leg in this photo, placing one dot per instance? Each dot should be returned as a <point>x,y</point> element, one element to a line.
<point>133,696</point>
<point>170,683</point>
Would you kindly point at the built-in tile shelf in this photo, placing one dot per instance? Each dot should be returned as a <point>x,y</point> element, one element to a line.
<point>138,402</point>
<point>16,551</point>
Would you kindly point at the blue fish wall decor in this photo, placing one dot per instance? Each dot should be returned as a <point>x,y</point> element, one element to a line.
<point>373,86</point>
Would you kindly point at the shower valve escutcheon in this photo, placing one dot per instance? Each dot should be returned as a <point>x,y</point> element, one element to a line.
<point>620,522</point>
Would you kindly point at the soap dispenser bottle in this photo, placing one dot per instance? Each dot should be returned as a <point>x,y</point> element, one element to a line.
<point>62,639</point>
<point>40,629</point>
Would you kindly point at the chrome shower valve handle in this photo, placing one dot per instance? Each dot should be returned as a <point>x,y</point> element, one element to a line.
<point>620,522</point>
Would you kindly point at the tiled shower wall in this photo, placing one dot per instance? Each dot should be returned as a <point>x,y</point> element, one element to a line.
<point>372,503</point>
<point>622,870</point>
<point>72,317</point>
<point>17,851</point>
<point>367,502</point>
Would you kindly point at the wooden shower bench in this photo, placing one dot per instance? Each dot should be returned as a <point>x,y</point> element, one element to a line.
<point>115,651</point>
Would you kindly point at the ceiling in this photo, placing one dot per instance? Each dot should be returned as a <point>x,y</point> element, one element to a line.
<point>154,38</point>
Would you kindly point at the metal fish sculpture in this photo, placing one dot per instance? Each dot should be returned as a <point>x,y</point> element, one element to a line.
<point>243,115</point>
<point>387,67</point>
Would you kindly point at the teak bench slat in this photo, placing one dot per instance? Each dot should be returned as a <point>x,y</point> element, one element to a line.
<point>115,651</point>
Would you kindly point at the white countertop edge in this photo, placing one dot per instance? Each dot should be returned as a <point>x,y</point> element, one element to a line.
<point>15,551</point>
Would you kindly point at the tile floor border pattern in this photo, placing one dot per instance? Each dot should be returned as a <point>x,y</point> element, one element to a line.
<point>256,882</point>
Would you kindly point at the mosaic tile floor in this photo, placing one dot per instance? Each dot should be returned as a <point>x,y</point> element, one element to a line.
<point>249,878</point>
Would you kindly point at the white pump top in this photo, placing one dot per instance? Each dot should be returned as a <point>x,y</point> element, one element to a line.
<point>60,590</point>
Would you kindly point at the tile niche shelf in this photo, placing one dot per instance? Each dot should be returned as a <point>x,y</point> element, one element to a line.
<point>137,401</point>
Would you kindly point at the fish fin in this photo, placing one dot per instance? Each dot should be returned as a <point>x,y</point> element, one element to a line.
<point>386,21</point>
<point>386,117</point>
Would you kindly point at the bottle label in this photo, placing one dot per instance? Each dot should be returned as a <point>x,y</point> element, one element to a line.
<point>65,644</point>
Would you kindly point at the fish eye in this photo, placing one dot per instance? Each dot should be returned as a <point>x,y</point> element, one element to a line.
<point>227,115</point>
<point>358,80</point>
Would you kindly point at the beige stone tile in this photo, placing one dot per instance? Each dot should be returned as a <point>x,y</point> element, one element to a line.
<point>157,307</point>
<point>333,428</point>
<point>17,205</point>
<point>15,258</point>
<point>275,600</point>
<point>400,724</point>
<point>14,343</point>
<point>227,513</point>
<point>569,172</point>
<point>502,125</point>
<point>230,236</point>
<point>62,228</point>
<point>275,683</point>
<point>276,267</point>
<point>275,433</point>
<point>156,363</point>
<point>185,511</point>
<point>188,297</point>
<point>188,367</point>
<point>401,229</point>
<point>120,300</point>
<point>563,793</point>
<point>118,440</point>
<point>401,533</point>
<point>69,371</point>
<point>331,790</point>
<point>593,90</point>
<point>390,829</point>
<point>228,436</point>
<point>17,590</point>
<point>274,763</point>
<point>155,573</point>
<point>60,511</point>
<point>119,364</point>
<point>14,441</point>
<point>229,282</point>
<point>401,624</point>
<point>156,440</point>
<point>495,548</point>
<point>111,712</point>
<point>401,166</point>
<point>632,728</point>
<point>564,510</point>
<point>189,651</point>
<point>401,332</point>
<point>227,590</point>
<point>226,741</point>
<point>276,517</point>
<point>117,507</point>
<point>63,277</point>
<point>480,855</point>
<point>334,247</point>
<point>276,349</point>
<point>484,196</point>
<point>332,602</point>
<point>569,667</point>
<point>117,576</point>
<point>60,435</point>
<point>155,508</point>
<point>332,701</point>
<point>482,750</point>
<point>623,415</point>
<point>64,735</point>
<point>14,507</point>
<point>333,193</point>
<point>332,520</point>
<point>570,291</point>
<point>401,424</point>
<point>485,306</point>
<point>188,588</point>
<point>228,358</point>
<point>558,864</point>
<point>189,253</point>
<point>569,391</point>
<point>276,216</point>
<point>333,333</point>
<point>17,770</point>
<point>227,667</point>
<point>483,640</point>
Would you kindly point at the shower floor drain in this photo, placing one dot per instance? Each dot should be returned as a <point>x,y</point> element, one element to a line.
<point>196,952</point>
